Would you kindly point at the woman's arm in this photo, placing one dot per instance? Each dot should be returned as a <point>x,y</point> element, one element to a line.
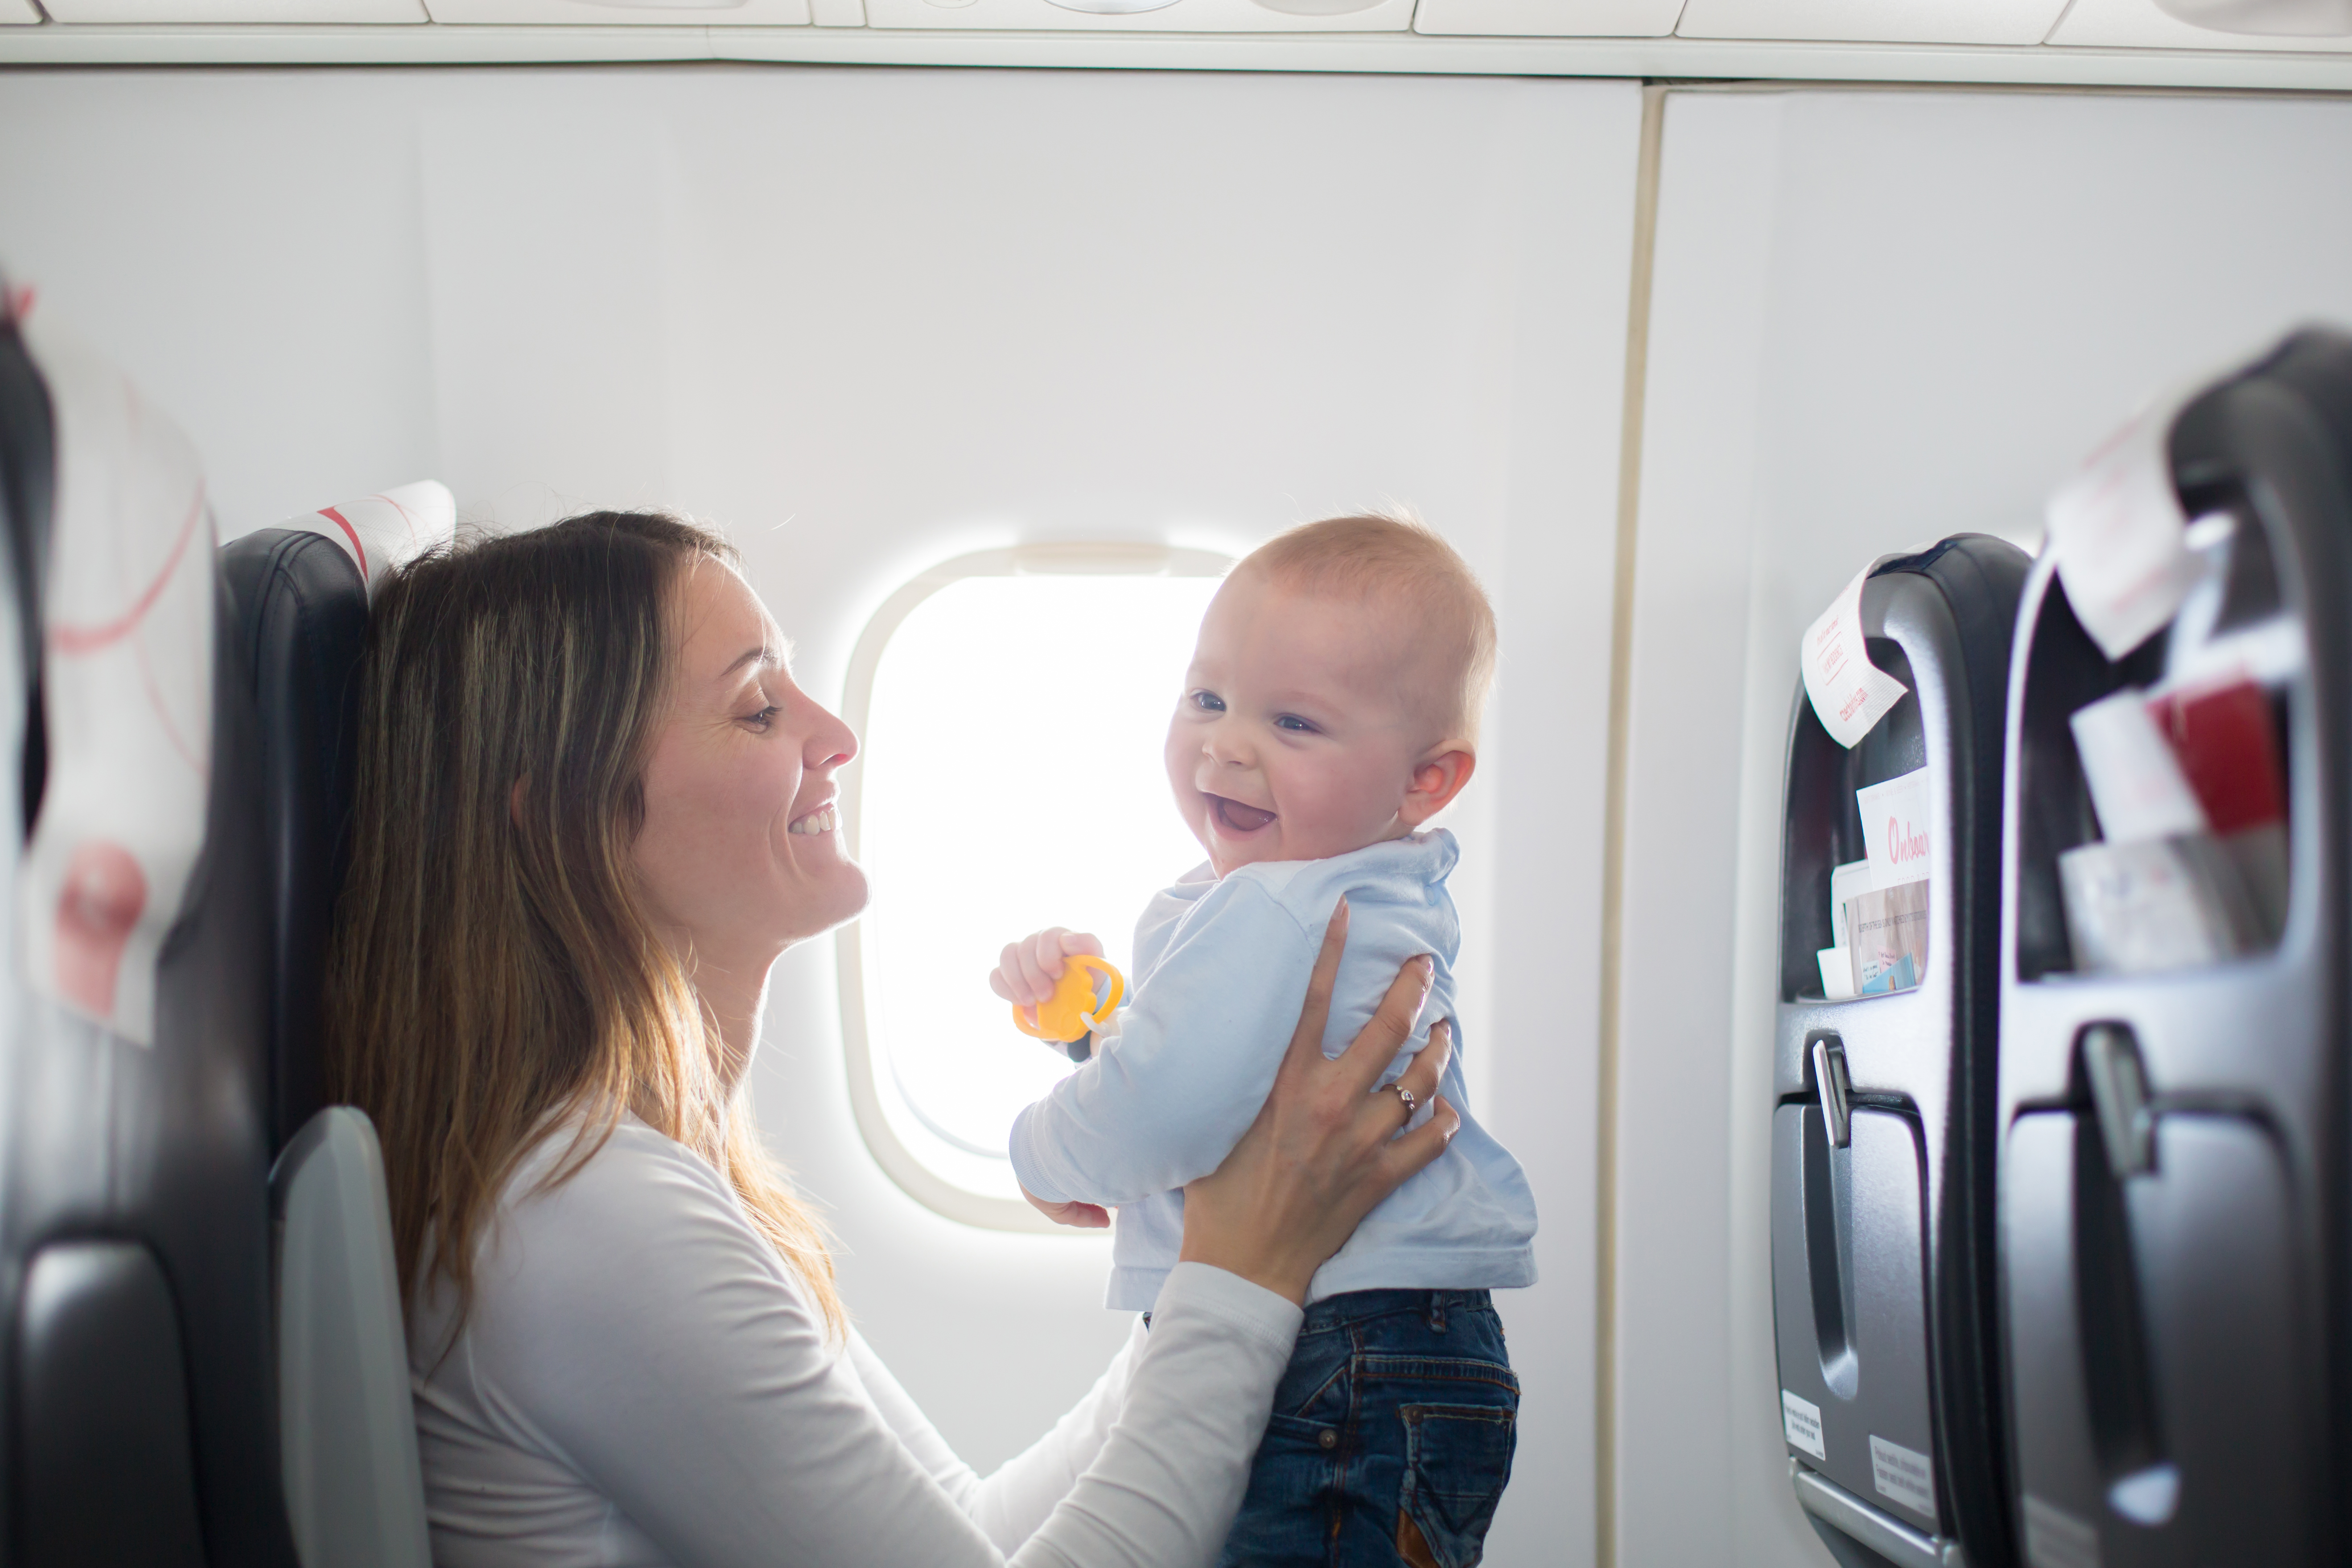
<point>1015,1499</point>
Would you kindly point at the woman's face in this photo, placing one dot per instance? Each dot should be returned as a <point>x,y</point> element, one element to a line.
<point>741,852</point>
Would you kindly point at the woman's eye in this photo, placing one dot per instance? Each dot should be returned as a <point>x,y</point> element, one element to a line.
<point>1208,702</point>
<point>764,718</point>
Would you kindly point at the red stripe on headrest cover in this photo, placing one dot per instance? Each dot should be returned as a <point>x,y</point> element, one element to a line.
<point>89,639</point>
<point>353,534</point>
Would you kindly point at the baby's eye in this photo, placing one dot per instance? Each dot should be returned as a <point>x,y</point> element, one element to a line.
<point>1208,702</point>
<point>1295,724</point>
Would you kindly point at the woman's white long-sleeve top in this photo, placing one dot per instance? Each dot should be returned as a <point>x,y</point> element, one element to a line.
<point>641,1380</point>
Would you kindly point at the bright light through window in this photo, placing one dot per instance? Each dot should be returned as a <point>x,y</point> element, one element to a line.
<point>1011,781</point>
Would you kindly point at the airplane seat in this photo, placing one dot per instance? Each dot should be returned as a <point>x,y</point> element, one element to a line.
<point>301,591</point>
<point>355,1495</point>
<point>137,1409</point>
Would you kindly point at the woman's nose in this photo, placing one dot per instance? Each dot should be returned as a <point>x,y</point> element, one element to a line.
<point>831,743</point>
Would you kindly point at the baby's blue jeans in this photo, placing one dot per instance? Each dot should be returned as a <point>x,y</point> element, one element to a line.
<point>1391,1436</point>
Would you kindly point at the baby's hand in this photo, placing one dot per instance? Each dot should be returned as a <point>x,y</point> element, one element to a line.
<point>1026,975</point>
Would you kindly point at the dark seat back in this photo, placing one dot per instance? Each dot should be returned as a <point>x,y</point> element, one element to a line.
<point>137,1381</point>
<point>1883,1243</point>
<point>2174,1137</point>
<point>301,616</point>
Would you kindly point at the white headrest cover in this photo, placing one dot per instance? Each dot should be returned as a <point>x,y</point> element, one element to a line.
<point>128,686</point>
<point>384,530</point>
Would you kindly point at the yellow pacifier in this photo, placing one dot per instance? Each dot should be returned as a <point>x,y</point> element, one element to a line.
<point>1072,1012</point>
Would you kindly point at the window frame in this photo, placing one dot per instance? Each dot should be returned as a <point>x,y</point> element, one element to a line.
<point>1104,558</point>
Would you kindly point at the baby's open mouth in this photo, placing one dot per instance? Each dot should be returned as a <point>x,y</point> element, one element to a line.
<point>1237,819</point>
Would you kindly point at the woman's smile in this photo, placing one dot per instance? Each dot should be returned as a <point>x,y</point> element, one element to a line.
<point>825,818</point>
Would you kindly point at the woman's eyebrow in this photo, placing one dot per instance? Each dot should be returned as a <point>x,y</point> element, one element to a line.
<point>766,657</point>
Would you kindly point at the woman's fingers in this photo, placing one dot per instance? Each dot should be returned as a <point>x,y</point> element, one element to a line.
<point>1423,1074</point>
<point>1376,1044</point>
<point>1306,1040</point>
<point>1417,1148</point>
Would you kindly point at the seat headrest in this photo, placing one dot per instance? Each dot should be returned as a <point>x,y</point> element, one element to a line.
<point>127,686</point>
<point>385,530</point>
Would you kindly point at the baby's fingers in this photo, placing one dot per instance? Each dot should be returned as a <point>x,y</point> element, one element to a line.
<point>1037,967</point>
<point>1017,979</point>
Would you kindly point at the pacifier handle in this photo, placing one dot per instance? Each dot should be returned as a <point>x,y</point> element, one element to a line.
<point>1104,1008</point>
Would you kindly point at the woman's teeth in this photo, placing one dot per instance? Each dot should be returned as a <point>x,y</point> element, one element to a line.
<point>823,820</point>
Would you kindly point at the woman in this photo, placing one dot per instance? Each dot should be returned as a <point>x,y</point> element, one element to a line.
<point>593,809</point>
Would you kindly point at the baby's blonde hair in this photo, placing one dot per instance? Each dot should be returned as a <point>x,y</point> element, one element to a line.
<point>1403,561</point>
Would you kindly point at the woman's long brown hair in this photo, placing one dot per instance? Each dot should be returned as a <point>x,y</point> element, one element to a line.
<point>493,977</point>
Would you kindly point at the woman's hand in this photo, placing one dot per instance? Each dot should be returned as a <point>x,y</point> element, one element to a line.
<point>1324,1149</point>
<point>1027,970</point>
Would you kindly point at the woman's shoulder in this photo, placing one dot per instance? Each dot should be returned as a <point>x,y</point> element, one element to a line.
<point>625,1167</point>
<point>612,1204</point>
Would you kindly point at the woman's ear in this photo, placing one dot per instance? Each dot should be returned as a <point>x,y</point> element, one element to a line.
<point>1436,780</point>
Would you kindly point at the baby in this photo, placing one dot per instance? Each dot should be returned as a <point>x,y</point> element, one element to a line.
<point>1331,710</point>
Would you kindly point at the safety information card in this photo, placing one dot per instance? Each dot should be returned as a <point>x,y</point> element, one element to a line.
<point>1849,693</point>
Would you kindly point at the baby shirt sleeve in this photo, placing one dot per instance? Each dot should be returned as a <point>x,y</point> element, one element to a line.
<point>1166,1098</point>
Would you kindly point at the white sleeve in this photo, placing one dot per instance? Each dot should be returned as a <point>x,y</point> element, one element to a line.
<point>1171,1478</point>
<point>1014,1502</point>
<point>635,1325</point>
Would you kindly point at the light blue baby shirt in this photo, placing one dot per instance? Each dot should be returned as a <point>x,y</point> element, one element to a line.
<point>1221,969</point>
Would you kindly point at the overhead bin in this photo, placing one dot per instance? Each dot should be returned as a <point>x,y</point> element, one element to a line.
<point>1873,21</point>
<point>1548,18</point>
<point>1883,1243</point>
<point>1147,15</point>
<point>179,11</point>
<point>2174,1039</point>
<point>19,13</point>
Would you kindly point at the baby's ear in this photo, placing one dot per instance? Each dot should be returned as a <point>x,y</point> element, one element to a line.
<point>1438,778</point>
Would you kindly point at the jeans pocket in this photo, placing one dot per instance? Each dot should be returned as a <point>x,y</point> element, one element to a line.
<point>1457,1461</point>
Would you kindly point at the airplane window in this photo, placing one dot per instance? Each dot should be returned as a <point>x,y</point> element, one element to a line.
<point>1010,780</point>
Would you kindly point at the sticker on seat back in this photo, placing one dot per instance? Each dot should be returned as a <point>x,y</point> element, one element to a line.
<point>1903,1474</point>
<point>1801,1423</point>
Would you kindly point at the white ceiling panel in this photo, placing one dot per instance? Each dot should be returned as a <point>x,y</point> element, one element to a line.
<point>1548,18</point>
<point>1873,21</point>
<point>2139,24</point>
<point>1177,16</point>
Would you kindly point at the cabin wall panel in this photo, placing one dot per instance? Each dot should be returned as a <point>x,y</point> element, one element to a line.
<point>869,318</point>
<point>1879,318</point>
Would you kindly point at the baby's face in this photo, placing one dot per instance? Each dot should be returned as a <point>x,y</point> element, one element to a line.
<point>1297,737</point>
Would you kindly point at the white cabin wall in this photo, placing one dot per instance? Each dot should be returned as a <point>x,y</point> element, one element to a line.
<point>1879,318</point>
<point>868,319</point>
